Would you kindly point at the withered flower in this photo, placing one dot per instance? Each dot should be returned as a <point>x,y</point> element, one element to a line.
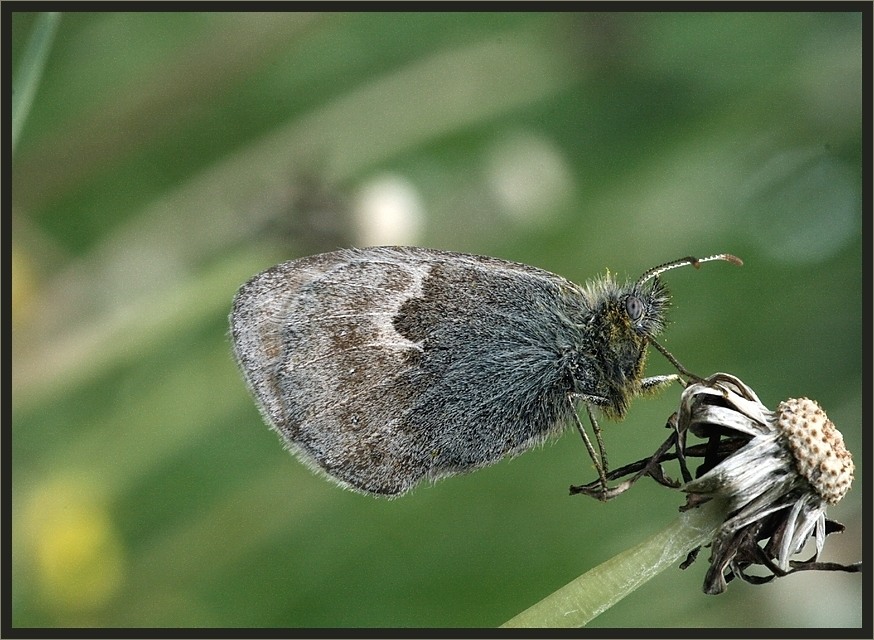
<point>777,470</point>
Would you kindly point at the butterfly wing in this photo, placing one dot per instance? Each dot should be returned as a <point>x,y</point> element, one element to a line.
<point>387,365</point>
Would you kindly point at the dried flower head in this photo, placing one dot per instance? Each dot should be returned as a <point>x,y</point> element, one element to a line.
<point>778,471</point>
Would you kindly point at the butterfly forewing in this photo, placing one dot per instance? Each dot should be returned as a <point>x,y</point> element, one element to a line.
<point>384,366</point>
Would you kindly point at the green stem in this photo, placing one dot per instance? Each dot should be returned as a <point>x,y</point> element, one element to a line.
<point>578,602</point>
<point>30,69</point>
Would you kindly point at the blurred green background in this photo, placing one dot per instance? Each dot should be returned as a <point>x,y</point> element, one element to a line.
<point>169,157</point>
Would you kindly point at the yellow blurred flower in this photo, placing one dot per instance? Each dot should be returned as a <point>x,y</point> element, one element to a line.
<point>22,283</point>
<point>77,553</point>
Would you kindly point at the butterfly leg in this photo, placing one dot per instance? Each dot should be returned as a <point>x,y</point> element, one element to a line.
<point>599,458</point>
<point>657,383</point>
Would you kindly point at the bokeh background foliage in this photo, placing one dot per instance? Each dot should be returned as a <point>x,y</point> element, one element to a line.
<point>168,157</point>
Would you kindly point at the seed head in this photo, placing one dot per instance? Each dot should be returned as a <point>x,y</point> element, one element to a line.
<point>818,447</point>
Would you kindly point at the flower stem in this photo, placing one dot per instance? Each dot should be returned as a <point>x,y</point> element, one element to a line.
<point>30,69</point>
<point>578,602</point>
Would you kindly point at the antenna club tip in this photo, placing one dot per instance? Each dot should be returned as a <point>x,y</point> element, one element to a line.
<point>727,257</point>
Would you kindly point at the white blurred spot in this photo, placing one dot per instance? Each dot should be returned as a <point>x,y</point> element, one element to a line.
<point>388,211</point>
<point>528,177</point>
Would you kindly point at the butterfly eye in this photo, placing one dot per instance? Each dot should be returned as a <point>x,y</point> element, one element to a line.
<point>634,308</point>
